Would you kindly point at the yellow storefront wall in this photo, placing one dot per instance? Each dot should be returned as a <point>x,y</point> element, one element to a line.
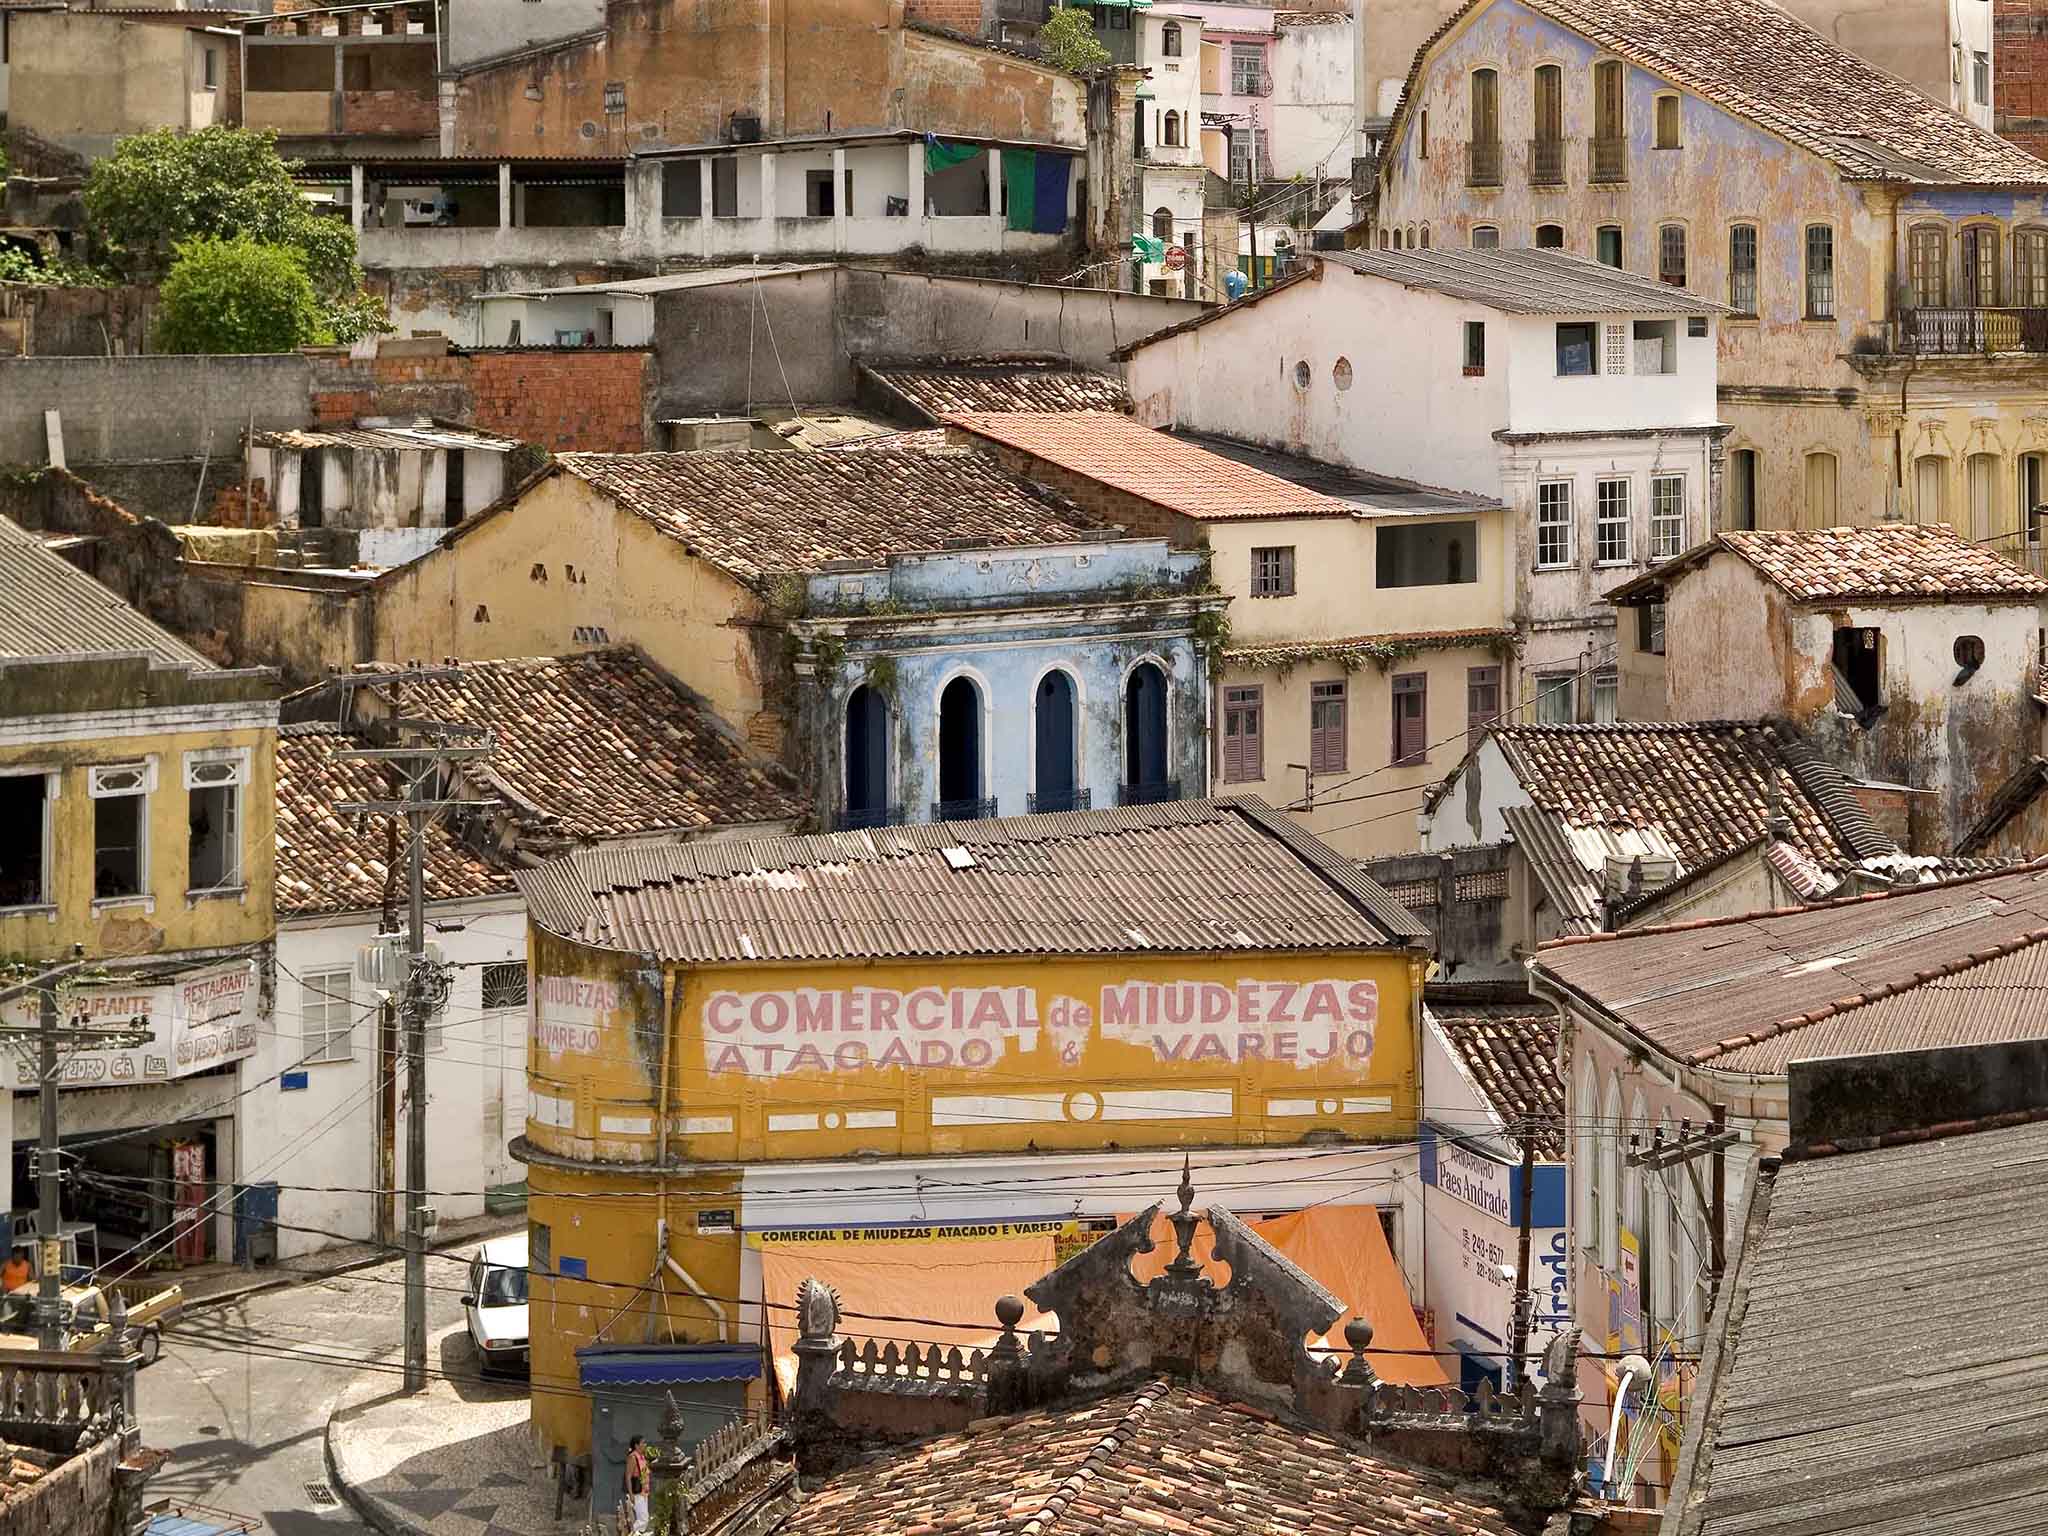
<point>630,1065</point>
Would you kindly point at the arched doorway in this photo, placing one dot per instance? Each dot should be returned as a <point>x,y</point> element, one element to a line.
<point>1145,780</point>
<point>1053,749</point>
<point>867,758</point>
<point>960,783</point>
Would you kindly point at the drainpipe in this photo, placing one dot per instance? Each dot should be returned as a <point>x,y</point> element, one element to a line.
<point>671,988</point>
<point>1905,374</point>
<point>668,1261</point>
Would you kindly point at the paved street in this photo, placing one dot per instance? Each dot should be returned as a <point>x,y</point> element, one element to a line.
<point>245,1432</point>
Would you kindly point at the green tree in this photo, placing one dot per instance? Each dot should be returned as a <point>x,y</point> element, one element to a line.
<point>160,189</point>
<point>1067,41</point>
<point>238,295</point>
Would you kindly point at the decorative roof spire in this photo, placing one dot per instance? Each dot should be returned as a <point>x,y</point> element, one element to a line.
<point>1184,1223</point>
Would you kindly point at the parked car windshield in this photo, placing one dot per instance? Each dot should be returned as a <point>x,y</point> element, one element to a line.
<point>504,1288</point>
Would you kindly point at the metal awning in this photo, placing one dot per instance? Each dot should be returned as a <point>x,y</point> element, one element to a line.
<point>655,1365</point>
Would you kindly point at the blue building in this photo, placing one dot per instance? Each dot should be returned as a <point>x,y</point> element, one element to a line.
<point>998,680</point>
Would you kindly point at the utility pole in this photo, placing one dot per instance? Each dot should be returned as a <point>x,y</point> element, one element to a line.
<point>387,1061</point>
<point>435,745</point>
<point>1525,1295</point>
<point>1713,1141</point>
<point>49,1032</point>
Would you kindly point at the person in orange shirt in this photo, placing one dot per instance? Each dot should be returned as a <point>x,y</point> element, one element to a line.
<point>15,1273</point>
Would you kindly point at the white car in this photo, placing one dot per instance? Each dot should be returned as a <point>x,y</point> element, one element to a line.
<point>495,1302</point>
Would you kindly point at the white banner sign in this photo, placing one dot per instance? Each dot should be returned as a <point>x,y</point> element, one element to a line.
<point>198,1021</point>
<point>1301,1023</point>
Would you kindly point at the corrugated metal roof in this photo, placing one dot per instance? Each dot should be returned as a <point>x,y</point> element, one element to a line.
<point>1703,991</point>
<point>1543,838</point>
<point>1527,282</point>
<point>49,608</point>
<point>411,439</point>
<point>673,282</point>
<point>1887,1376</point>
<point>1194,876</point>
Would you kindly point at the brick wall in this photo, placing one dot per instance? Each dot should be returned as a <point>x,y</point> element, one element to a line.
<point>2020,62</point>
<point>566,401</point>
<point>962,16</point>
<point>407,114</point>
<point>591,402</point>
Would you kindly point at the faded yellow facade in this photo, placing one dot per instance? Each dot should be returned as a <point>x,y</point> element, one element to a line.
<point>1336,648</point>
<point>651,1087</point>
<point>62,720</point>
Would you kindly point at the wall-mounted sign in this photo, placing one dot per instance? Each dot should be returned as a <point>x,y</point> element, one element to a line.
<point>198,1021</point>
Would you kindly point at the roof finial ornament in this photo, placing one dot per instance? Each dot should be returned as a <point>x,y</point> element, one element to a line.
<point>1184,1224</point>
<point>1358,1371</point>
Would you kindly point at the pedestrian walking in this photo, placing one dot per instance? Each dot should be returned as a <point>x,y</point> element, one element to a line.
<point>636,1482</point>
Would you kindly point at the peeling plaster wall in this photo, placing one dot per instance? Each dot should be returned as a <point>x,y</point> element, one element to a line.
<point>1732,650</point>
<point>1786,386</point>
<point>814,66</point>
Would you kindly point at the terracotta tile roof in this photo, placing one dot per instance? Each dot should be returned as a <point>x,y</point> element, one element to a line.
<point>606,745</point>
<point>1183,877</point>
<point>756,514</point>
<point>1162,1459</point>
<point>1141,461</point>
<point>929,392</point>
<point>1310,18</point>
<point>1290,653</point>
<point>325,863</point>
<point>1512,1056</point>
<point>1755,60</point>
<point>1888,563</point>
<point>1704,788</point>
<point>1951,964</point>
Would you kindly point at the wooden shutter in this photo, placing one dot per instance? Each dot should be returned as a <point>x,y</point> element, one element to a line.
<point>1482,699</point>
<point>1327,726</point>
<point>1411,717</point>
<point>1243,754</point>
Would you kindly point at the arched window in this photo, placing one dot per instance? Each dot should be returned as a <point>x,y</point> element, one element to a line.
<point>1546,151</point>
<point>1482,150</point>
<point>961,789</point>
<point>1985,523</point>
<point>1592,1188</point>
<point>1052,720</point>
<point>867,758</point>
<point>1425,237</point>
<point>1169,40</point>
<point>1145,779</point>
<point>1485,237</point>
<point>1549,237</point>
<point>1979,248</point>
<point>1610,1160</point>
<point>1169,130</point>
<point>1397,240</point>
<point>1927,265</point>
<point>2030,268</point>
<point>1641,1216</point>
<point>1162,223</point>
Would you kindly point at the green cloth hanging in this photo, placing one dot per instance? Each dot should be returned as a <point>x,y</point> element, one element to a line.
<point>938,154</point>
<point>1020,182</point>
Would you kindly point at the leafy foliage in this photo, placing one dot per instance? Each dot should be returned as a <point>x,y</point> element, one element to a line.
<point>238,296</point>
<point>1067,41</point>
<point>158,190</point>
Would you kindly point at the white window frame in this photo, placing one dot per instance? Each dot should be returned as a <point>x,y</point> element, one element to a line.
<point>316,991</point>
<point>53,786</point>
<point>123,781</point>
<point>1667,529</point>
<point>221,768</point>
<point>1605,524</point>
<point>1567,524</point>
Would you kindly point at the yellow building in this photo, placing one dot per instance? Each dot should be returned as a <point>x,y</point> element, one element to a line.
<point>136,835</point>
<point>952,1047</point>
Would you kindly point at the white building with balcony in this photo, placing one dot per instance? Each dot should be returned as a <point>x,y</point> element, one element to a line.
<point>1580,396</point>
<point>1168,149</point>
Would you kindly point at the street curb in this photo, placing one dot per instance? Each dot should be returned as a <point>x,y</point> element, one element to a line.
<point>367,1505</point>
<point>285,1281</point>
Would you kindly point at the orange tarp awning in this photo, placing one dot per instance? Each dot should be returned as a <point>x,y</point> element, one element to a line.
<point>950,1279</point>
<point>1344,1249</point>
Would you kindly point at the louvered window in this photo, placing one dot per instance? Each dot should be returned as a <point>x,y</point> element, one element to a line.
<point>1411,717</point>
<point>1243,732</point>
<point>1326,727</point>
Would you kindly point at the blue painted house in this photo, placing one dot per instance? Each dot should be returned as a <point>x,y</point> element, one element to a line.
<point>1886,261</point>
<point>993,680</point>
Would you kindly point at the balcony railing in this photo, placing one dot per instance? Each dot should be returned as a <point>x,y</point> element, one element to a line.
<point>963,810</point>
<point>1546,162</point>
<point>1248,84</point>
<point>1059,800</point>
<point>1157,792</point>
<point>2029,553</point>
<point>1954,332</point>
<point>1609,160</point>
<point>1482,164</point>
<point>867,817</point>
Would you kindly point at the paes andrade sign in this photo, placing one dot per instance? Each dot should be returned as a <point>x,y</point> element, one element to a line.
<point>847,1029</point>
<point>198,1021</point>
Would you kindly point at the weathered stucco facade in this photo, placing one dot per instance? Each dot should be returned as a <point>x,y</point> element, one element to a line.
<point>83,80</point>
<point>678,71</point>
<point>1811,380</point>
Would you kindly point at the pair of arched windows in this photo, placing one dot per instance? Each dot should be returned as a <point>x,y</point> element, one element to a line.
<point>963,790</point>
